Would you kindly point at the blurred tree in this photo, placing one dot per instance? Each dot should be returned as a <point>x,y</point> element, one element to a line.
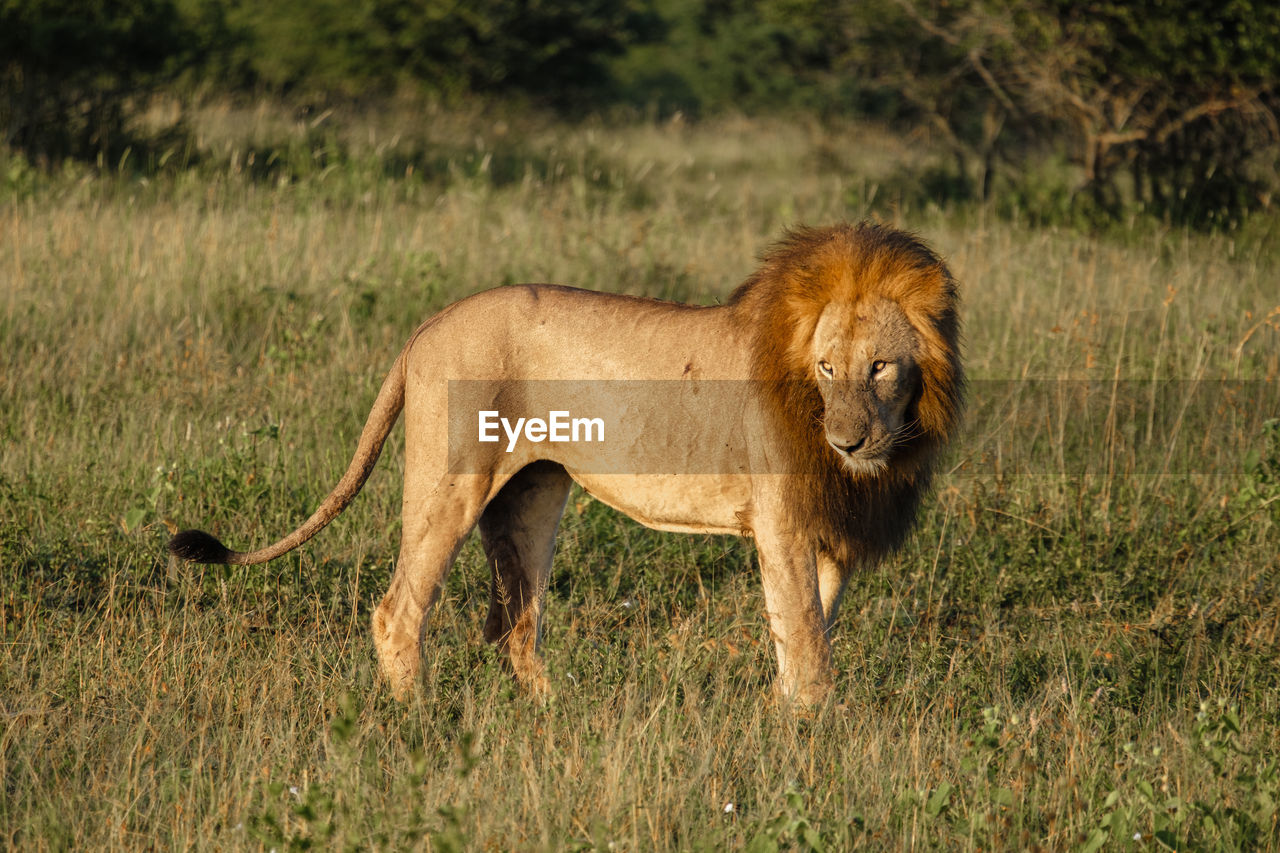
<point>71,71</point>
<point>737,54</point>
<point>318,46</point>
<point>1182,96</point>
<point>1167,105</point>
<point>548,49</point>
<point>1172,106</point>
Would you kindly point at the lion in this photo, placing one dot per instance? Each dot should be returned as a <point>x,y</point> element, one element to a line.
<point>842,355</point>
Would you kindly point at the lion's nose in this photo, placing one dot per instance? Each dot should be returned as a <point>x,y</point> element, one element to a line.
<point>846,446</point>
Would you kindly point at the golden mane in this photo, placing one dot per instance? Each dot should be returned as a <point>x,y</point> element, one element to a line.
<point>848,514</point>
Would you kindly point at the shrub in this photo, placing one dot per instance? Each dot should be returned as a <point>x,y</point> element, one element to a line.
<point>73,73</point>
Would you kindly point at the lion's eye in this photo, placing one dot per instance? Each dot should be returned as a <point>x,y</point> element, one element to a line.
<point>877,367</point>
<point>825,368</point>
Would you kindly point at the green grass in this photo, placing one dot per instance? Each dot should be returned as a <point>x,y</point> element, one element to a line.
<point>1080,643</point>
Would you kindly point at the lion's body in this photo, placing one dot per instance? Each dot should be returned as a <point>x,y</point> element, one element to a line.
<point>515,343</point>
<point>717,423</point>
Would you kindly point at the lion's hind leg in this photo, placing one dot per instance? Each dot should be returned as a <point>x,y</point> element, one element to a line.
<point>518,531</point>
<point>436,523</point>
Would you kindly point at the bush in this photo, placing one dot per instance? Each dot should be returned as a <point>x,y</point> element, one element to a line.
<point>1168,108</point>
<point>1165,107</point>
<point>74,72</point>
<point>548,50</point>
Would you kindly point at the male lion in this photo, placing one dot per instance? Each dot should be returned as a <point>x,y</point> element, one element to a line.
<point>842,355</point>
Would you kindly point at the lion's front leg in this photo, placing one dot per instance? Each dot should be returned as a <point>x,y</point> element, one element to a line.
<point>788,569</point>
<point>833,577</point>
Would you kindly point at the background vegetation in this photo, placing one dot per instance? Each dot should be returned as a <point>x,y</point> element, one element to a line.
<point>209,258</point>
<point>1080,646</point>
<point>1073,111</point>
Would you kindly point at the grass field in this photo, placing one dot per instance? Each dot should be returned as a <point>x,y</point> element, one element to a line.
<point>1079,647</point>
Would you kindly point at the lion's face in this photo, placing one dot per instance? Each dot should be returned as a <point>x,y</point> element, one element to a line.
<point>864,359</point>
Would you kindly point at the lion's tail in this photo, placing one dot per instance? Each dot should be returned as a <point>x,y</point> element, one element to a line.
<point>200,547</point>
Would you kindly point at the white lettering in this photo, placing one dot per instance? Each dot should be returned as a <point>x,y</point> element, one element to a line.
<point>488,423</point>
<point>558,427</point>
<point>587,424</point>
<point>559,422</point>
<point>512,434</point>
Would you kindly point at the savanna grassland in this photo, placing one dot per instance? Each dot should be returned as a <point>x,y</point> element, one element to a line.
<point>1079,647</point>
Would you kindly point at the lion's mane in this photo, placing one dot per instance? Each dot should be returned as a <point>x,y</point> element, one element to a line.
<point>852,516</point>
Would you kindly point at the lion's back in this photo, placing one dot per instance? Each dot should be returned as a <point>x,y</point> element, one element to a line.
<point>545,331</point>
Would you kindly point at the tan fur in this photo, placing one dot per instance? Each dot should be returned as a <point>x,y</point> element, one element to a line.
<point>842,363</point>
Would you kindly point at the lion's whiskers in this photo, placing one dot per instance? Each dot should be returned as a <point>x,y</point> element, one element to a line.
<point>907,432</point>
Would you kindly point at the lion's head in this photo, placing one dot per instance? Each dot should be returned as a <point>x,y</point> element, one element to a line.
<point>864,358</point>
<point>856,349</point>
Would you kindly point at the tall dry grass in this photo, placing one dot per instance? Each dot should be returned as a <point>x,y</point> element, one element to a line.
<point>1041,667</point>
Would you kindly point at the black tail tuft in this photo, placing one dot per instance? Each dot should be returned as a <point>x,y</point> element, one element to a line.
<point>196,546</point>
